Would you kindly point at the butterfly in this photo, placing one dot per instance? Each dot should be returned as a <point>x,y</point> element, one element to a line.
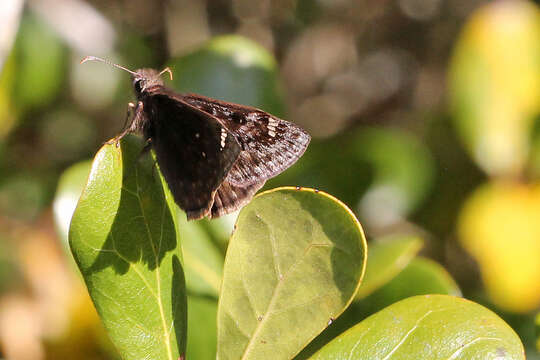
<point>214,155</point>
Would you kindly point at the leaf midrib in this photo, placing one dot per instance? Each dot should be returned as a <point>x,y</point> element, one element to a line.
<point>281,280</point>
<point>156,262</point>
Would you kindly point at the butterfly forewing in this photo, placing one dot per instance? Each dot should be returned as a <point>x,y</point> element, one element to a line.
<point>269,144</point>
<point>194,151</point>
<point>213,155</point>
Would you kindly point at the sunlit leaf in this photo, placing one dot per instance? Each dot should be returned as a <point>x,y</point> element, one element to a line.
<point>421,276</point>
<point>293,265</point>
<point>124,238</point>
<point>387,257</point>
<point>495,84</point>
<point>500,227</point>
<point>70,187</point>
<point>428,327</point>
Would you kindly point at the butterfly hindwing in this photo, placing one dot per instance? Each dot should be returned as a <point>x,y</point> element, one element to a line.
<point>229,197</point>
<point>194,151</point>
<point>269,144</point>
<point>213,155</point>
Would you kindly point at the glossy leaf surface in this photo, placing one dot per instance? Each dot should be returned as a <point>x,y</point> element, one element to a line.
<point>124,238</point>
<point>428,327</point>
<point>293,265</point>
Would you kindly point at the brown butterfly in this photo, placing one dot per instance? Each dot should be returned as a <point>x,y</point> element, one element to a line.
<point>214,155</point>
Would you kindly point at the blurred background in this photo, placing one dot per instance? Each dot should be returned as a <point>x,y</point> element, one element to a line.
<point>424,117</point>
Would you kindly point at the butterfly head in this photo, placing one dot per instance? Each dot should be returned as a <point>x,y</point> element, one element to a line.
<point>142,79</point>
<point>146,78</point>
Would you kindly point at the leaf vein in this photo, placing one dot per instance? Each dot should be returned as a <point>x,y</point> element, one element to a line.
<point>273,300</point>
<point>464,346</point>
<point>121,309</point>
<point>415,326</point>
<point>272,239</point>
<point>249,296</point>
<point>356,344</point>
<point>158,278</point>
<point>134,266</point>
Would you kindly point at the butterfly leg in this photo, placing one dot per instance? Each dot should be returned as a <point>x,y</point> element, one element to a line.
<point>129,114</point>
<point>134,112</point>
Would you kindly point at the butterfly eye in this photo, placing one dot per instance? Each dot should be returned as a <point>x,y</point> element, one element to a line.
<point>138,85</point>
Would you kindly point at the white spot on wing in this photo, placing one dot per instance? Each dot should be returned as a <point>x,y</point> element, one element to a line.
<point>223,138</point>
<point>197,135</point>
<point>252,116</point>
<point>272,124</point>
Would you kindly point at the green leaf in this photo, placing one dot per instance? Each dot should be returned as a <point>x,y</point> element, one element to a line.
<point>428,327</point>
<point>202,259</point>
<point>293,265</point>
<point>40,63</point>
<point>387,257</point>
<point>202,328</point>
<point>422,276</point>
<point>388,282</point>
<point>220,229</point>
<point>329,164</point>
<point>403,172</point>
<point>70,186</point>
<point>495,94</point>
<point>231,68</point>
<point>125,241</point>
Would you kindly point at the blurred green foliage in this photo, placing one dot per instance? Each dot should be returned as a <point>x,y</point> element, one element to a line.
<point>368,79</point>
<point>233,69</point>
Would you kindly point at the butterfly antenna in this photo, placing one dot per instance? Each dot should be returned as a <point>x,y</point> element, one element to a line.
<point>167,69</point>
<point>95,58</point>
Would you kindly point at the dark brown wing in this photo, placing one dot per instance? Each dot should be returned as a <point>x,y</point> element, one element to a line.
<point>194,151</point>
<point>230,197</point>
<point>269,144</point>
